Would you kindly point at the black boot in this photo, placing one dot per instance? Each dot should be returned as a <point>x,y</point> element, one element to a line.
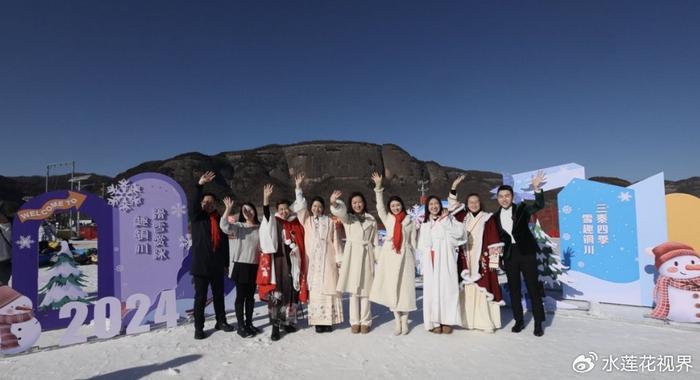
<point>275,333</point>
<point>290,329</point>
<point>328,329</point>
<point>223,326</point>
<point>199,334</point>
<point>539,331</point>
<point>253,329</point>
<point>518,327</point>
<point>244,332</point>
<point>320,329</point>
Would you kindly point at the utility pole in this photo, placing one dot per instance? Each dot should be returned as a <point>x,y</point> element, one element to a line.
<point>423,186</point>
<point>70,164</point>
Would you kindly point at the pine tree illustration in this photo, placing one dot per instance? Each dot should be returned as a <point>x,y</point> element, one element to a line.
<point>66,282</point>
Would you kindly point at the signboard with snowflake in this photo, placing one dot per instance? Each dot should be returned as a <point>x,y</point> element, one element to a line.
<point>150,222</point>
<point>557,177</point>
<point>65,283</point>
<point>144,259</point>
<point>601,239</point>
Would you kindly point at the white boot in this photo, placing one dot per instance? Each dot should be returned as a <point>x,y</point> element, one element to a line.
<point>397,322</point>
<point>404,323</point>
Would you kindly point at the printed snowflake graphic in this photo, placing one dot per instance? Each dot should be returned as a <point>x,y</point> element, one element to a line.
<point>25,242</point>
<point>125,195</point>
<point>178,210</point>
<point>185,242</point>
<point>119,268</point>
<point>624,196</point>
<point>567,209</point>
<point>566,236</point>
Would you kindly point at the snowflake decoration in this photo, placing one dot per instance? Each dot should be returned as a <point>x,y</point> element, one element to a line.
<point>119,268</point>
<point>567,209</point>
<point>25,242</point>
<point>178,210</point>
<point>566,236</point>
<point>125,195</point>
<point>185,243</point>
<point>624,196</point>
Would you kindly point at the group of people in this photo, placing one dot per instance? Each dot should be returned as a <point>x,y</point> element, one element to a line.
<point>301,254</point>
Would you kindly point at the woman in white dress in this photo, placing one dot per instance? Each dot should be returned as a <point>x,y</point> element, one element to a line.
<point>440,235</point>
<point>323,255</point>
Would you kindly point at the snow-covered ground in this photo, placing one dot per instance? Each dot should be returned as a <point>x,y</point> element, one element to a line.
<point>606,330</point>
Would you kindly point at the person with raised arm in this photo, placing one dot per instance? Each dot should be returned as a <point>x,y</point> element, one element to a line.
<point>440,235</point>
<point>323,255</point>
<point>479,262</point>
<point>520,251</point>
<point>244,249</point>
<point>281,272</point>
<point>394,282</point>
<point>210,257</point>
<point>357,267</point>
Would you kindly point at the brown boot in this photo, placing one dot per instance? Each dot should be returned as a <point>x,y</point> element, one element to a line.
<point>436,330</point>
<point>355,329</point>
<point>364,329</point>
<point>446,329</point>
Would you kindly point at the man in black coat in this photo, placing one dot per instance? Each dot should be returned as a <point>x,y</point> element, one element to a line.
<point>210,257</point>
<point>520,251</point>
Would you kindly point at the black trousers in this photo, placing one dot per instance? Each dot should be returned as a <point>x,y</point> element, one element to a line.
<point>201,284</point>
<point>5,271</point>
<point>245,298</point>
<point>516,264</point>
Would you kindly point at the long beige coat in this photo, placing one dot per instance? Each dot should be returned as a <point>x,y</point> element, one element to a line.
<point>357,267</point>
<point>394,282</point>
<point>325,243</point>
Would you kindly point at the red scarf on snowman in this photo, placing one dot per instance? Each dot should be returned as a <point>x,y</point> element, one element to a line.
<point>661,293</point>
<point>7,338</point>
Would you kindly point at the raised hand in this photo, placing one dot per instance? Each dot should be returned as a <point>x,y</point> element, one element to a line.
<point>267,191</point>
<point>537,180</point>
<point>377,178</point>
<point>458,180</point>
<point>299,179</point>
<point>206,177</point>
<point>336,194</point>
<point>228,202</point>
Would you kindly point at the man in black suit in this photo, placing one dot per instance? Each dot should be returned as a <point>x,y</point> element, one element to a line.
<point>520,251</point>
<point>210,257</point>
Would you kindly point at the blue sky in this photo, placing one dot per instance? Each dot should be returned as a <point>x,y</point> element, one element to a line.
<point>489,85</point>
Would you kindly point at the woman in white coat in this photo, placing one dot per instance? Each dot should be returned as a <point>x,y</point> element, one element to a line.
<point>323,253</point>
<point>440,235</point>
<point>357,267</point>
<point>394,283</point>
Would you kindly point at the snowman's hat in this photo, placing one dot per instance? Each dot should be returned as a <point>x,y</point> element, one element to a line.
<point>670,249</point>
<point>7,295</point>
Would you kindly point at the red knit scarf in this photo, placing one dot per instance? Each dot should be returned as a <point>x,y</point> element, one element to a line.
<point>7,338</point>
<point>214,227</point>
<point>398,231</point>
<point>661,293</point>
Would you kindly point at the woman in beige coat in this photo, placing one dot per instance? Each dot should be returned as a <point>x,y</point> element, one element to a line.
<point>357,267</point>
<point>323,256</point>
<point>394,283</point>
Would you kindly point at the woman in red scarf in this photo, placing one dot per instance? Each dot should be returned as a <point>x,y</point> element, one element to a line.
<point>394,281</point>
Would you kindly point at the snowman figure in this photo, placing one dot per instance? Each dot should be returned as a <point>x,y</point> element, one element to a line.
<point>19,330</point>
<point>677,291</point>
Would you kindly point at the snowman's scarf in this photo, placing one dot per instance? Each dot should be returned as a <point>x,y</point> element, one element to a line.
<point>7,338</point>
<point>661,293</point>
